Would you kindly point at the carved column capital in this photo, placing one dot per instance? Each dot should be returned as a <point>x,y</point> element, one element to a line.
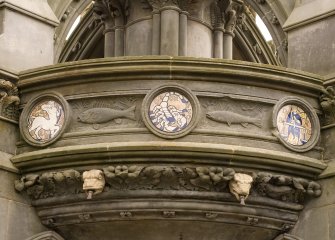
<point>111,12</point>
<point>227,13</point>
<point>235,15</point>
<point>184,5</point>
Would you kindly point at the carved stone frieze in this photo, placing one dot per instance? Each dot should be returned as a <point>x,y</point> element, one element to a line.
<point>9,100</point>
<point>327,101</point>
<point>285,188</point>
<point>105,112</point>
<point>231,113</point>
<point>201,179</point>
<point>50,184</point>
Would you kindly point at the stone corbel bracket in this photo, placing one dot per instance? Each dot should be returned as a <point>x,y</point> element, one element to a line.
<point>9,100</point>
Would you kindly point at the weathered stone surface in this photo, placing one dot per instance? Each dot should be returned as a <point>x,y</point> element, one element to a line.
<point>21,19</point>
<point>18,220</point>
<point>308,53</point>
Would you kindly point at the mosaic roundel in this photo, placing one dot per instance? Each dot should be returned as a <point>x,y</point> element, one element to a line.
<point>294,125</point>
<point>170,112</point>
<point>45,120</point>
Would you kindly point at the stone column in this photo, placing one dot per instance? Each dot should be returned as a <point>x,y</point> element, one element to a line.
<point>218,43</point>
<point>113,15</point>
<point>119,41</point>
<point>109,40</point>
<point>169,31</point>
<point>229,35</point>
<point>228,45</point>
<point>183,33</point>
<point>156,22</point>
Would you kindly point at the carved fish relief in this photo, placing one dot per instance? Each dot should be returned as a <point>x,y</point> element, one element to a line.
<point>104,115</point>
<point>233,118</point>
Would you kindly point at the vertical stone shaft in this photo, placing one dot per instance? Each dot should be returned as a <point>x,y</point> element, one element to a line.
<point>156,22</point>
<point>218,43</point>
<point>183,34</point>
<point>119,41</point>
<point>169,31</point>
<point>109,39</point>
<point>228,45</point>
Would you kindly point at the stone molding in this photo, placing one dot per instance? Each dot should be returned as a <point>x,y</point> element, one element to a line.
<point>308,13</point>
<point>48,235</point>
<point>286,236</point>
<point>243,156</point>
<point>44,13</point>
<point>229,71</point>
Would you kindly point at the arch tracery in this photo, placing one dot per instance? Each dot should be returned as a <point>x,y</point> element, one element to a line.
<point>248,43</point>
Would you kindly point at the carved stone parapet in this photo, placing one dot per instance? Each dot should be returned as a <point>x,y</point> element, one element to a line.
<point>201,179</point>
<point>9,100</point>
<point>327,101</point>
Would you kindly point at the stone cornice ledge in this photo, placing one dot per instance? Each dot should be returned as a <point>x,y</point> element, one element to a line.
<point>169,152</point>
<point>308,13</point>
<point>6,164</point>
<point>171,68</point>
<point>40,11</point>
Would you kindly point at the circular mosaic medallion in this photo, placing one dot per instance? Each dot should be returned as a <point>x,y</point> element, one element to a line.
<point>170,111</point>
<point>296,123</point>
<point>43,120</point>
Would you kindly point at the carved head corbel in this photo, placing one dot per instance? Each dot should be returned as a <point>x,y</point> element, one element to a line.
<point>94,182</point>
<point>240,186</point>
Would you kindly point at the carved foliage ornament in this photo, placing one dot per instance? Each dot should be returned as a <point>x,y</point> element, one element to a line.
<point>170,111</point>
<point>44,119</point>
<point>296,124</point>
<point>227,13</point>
<point>182,4</point>
<point>109,10</point>
<point>9,100</point>
<point>327,101</point>
<point>202,179</point>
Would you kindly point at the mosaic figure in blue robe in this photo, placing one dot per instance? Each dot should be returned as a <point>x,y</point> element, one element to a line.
<point>294,122</point>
